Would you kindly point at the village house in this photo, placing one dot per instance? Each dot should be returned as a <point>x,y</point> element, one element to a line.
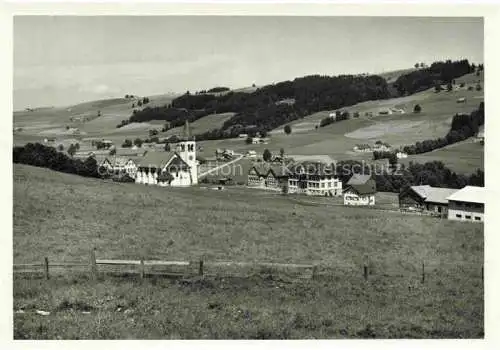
<point>174,168</point>
<point>122,165</point>
<point>425,198</point>
<point>251,154</point>
<point>267,177</point>
<point>313,179</point>
<point>401,155</point>
<point>360,190</point>
<point>381,146</point>
<point>467,204</point>
<point>362,148</point>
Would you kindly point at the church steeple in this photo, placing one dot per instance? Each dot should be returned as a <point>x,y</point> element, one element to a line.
<point>186,132</point>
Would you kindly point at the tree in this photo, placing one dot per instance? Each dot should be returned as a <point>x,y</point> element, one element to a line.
<point>393,160</point>
<point>266,155</point>
<point>127,143</point>
<point>417,109</point>
<point>77,146</point>
<point>356,115</point>
<point>287,129</point>
<point>138,142</point>
<point>248,140</point>
<point>60,148</point>
<point>139,103</point>
<point>112,152</point>
<point>449,86</point>
<point>153,132</point>
<point>417,65</point>
<point>133,105</point>
<point>98,113</point>
<point>282,153</point>
<point>437,88</point>
<point>167,147</point>
<point>478,87</point>
<point>71,150</point>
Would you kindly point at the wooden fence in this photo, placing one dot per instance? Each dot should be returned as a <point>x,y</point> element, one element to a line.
<point>143,268</point>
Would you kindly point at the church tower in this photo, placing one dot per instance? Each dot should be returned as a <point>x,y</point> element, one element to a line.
<point>186,148</point>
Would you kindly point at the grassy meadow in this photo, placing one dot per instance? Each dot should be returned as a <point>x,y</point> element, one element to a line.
<point>62,216</point>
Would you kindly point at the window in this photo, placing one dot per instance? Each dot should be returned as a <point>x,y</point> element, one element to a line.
<point>468,217</point>
<point>459,216</point>
<point>322,185</point>
<point>477,218</point>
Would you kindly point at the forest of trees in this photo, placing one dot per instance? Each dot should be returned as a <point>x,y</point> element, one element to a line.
<point>48,157</point>
<point>425,78</point>
<point>260,110</point>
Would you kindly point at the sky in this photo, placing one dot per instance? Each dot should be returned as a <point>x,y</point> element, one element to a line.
<point>63,60</point>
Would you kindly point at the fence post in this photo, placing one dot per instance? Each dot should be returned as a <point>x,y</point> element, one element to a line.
<point>46,265</point>
<point>200,269</point>
<point>482,273</point>
<point>315,272</point>
<point>365,272</point>
<point>423,273</point>
<point>142,269</point>
<point>93,264</point>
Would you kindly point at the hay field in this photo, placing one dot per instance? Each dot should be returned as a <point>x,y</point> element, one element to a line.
<point>62,216</point>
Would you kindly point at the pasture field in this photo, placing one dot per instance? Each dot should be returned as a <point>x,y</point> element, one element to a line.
<point>463,157</point>
<point>63,216</point>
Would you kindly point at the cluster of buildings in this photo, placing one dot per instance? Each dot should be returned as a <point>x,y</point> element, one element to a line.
<point>466,204</point>
<point>313,179</point>
<point>178,167</point>
<point>379,146</point>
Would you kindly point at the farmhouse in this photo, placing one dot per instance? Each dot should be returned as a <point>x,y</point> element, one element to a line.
<point>251,154</point>
<point>175,168</point>
<point>362,148</point>
<point>268,177</point>
<point>425,198</point>
<point>467,204</point>
<point>122,165</point>
<point>360,190</point>
<point>401,155</point>
<point>313,179</point>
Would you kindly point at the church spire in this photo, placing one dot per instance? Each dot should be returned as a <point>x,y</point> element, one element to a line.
<point>187,130</point>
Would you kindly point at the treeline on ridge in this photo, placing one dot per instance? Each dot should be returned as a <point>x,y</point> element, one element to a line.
<point>264,109</point>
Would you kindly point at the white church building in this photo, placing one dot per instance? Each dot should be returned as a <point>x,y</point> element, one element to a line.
<point>177,168</point>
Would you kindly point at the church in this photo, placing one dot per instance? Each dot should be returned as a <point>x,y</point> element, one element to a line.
<point>177,168</point>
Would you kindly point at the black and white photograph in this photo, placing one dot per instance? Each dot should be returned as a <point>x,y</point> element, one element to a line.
<point>246,177</point>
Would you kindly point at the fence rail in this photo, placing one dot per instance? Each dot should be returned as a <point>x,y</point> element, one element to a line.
<point>145,268</point>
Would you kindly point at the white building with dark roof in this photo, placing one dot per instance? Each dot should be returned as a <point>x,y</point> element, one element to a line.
<point>467,204</point>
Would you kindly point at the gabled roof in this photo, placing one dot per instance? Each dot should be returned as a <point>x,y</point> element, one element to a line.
<point>471,194</point>
<point>433,194</point>
<point>311,168</point>
<point>421,190</point>
<point>154,159</point>
<point>120,161</point>
<point>359,179</point>
<point>362,189</point>
<point>439,195</point>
